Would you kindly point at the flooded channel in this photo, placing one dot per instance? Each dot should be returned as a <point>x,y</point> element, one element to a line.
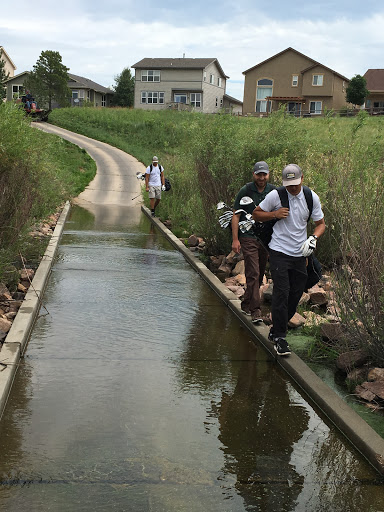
<point>141,391</point>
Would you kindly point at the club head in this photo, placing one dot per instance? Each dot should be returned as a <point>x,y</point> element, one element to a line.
<point>240,211</point>
<point>224,224</point>
<point>246,200</point>
<point>220,205</point>
<point>140,176</point>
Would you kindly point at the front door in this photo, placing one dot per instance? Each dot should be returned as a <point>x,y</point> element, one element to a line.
<point>294,108</point>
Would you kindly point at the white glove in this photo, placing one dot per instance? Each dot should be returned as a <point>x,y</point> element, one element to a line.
<point>309,246</point>
<point>163,188</point>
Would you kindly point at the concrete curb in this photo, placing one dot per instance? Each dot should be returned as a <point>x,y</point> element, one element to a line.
<point>345,419</point>
<point>18,336</point>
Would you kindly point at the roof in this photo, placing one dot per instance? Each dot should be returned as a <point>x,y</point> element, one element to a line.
<point>85,83</point>
<point>314,63</point>
<point>375,80</point>
<point>16,76</point>
<point>8,57</point>
<point>180,63</point>
<point>232,99</point>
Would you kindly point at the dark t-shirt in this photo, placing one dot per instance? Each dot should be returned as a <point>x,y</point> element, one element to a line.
<point>257,197</point>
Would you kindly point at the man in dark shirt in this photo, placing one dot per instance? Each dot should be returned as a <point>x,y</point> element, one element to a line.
<point>255,253</point>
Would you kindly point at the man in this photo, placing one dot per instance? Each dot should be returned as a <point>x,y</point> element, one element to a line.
<point>255,253</point>
<point>154,183</point>
<point>289,248</point>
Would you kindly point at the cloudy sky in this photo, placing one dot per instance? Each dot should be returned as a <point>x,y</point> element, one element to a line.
<point>98,39</point>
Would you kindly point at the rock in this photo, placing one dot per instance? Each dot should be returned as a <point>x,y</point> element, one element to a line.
<point>296,321</point>
<point>237,290</point>
<point>365,394</point>
<point>240,279</point>
<point>230,281</point>
<point>4,292</point>
<point>317,295</point>
<point>377,388</point>
<point>304,299</point>
<point>232,257</point>
<point>193,241</point>
<point>26,274</point>
<point>3,335</point>
<point>224,269</point>
<point>21,288</point>
<point>18,296</point>
<point>10,315</point>
<point>5,325</point>
<point>15,305</point>
<point>333,332</point>
<point>376,374</point>
<point>267,293</point>
<point>216,261</point>
<point>167,224</point>
<point>193,249</point>
<point>348,360</point>
<point>239,268</point>
<point>312,318</point>
<point>358,375</point>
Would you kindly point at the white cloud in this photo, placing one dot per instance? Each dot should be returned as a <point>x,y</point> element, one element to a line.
<point>101,48</point>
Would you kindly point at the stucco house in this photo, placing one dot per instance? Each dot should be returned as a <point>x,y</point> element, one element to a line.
<point>9,66</point>
<point>82,89</point>
<point>304,85</point>
<point>375,85</point>
<point>181,83</point>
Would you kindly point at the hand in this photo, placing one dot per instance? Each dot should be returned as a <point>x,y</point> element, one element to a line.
<point>281,213</point>
<point>308,246</point>
<point>163,188</point>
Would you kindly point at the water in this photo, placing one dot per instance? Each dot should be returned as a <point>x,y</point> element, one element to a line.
<point>140,391</point>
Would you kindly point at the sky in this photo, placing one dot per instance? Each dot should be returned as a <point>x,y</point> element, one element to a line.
<point>98,39</point>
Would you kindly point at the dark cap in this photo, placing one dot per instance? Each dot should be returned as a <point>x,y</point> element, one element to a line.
<point>261,167</point>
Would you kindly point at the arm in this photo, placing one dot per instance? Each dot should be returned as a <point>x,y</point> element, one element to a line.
<point>162,177</point>
<point>319,228</point>
<point>146,182</point>
<point>235,233</point>
<point>260,215</point>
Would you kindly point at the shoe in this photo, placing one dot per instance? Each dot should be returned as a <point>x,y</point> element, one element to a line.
<point>153,213</point>
<point>256,317</point>
<point>271,337</point>
<point>282,347</point>
<point>245,311</point>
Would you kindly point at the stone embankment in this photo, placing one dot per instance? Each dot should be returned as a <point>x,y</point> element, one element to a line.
<point>319,308</point>
<point>12,295</point>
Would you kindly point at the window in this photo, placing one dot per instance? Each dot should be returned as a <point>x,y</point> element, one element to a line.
<point>221,102</point>
<point>217,102</point>
<point>264,89</point>
<point>205,76</point>
<point>196,99</point>
<point>149,75</point>
<point>103,100</point>
<point>317,80</point>
<point>180,98</point>
<point>151,97</point>
<point>17,91</point>
<point>211,79</point>
<point>295,80</point>
<point>219,81</point>
<point>315,107</point>
<point>81,94</point>
<point>75,95</point>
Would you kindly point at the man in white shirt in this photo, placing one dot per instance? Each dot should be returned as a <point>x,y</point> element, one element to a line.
<point>289,248</point>
<point>154,183</point>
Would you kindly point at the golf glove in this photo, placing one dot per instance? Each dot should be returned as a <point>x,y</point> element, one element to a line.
<point>309,246</point>
<point>163,188</point>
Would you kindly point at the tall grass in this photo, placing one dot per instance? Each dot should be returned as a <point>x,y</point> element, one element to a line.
<point>208,158</point>
<point>37,173</point>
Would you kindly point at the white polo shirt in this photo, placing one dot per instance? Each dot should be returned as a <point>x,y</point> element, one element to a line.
<point>154,176</point>
<point>290,233</point>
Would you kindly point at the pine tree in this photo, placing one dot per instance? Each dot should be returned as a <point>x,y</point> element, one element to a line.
<point>124,89</point>
<point>3,77</point>
<point>48,80</point>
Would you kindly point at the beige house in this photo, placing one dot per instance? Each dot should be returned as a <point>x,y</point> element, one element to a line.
<point>183,84</point>
<point>83,90</point>
<point>375,85</point>
<point>9,67</point>
<point>305,86</point>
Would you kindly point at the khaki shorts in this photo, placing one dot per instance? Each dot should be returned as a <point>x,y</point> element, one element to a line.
<point>154,192</point>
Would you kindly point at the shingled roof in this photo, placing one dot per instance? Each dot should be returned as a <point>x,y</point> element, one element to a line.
<point>85,83</point>
<point>180,63</point>
<point>375,80</point>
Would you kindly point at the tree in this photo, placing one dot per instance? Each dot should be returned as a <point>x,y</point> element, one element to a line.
<point>357,90</point>
<point>48,80</point>
<point>3,77</point>
<point>124,89</point>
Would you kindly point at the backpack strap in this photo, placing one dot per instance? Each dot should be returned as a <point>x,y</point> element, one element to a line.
<point>283,195</point>
<point>160,168</point>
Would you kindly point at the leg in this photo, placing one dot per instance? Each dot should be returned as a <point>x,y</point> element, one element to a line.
<point>297,282</point>
<point>279,270</point>
<point>251,251</point>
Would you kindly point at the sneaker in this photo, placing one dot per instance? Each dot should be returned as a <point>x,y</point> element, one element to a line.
<point>245,311</point>
<point>282,347</point>
<point>153,213</point>
<point>256,317</point>
<point>271,337</point>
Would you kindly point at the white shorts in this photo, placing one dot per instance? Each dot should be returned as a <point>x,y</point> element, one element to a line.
<point>154,192</point>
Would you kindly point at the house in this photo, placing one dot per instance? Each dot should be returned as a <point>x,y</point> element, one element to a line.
<point>304,85</point>
<point>9,67</point>
<point>184,84</point>
<point>83,90</point>
<point>375,85</point>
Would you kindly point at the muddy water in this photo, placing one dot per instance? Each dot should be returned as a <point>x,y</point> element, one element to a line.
<point>140,391</point>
